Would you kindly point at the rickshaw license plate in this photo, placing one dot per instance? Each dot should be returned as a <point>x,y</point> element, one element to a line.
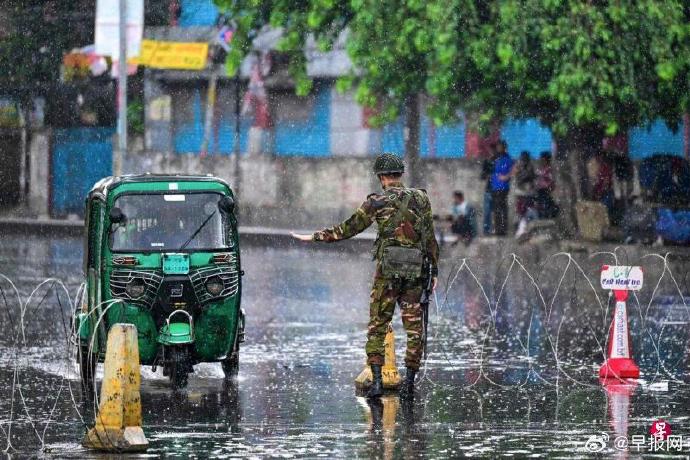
<point>175,264</point>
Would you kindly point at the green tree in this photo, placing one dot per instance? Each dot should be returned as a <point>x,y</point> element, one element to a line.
<point>36,36</point>
<point>390,42</point>
<point>585,69</point>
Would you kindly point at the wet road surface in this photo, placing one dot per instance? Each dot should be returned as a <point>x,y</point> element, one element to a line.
<point>511,369</point>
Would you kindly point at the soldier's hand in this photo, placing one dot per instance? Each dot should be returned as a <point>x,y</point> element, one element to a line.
<point>302,237</point>
<point>434,282</point>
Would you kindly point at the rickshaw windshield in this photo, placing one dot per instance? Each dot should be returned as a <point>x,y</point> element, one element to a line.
<point>169,222</point>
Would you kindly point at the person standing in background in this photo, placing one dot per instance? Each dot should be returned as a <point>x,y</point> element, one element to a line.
<point>524,191</point>
<point>487,171</point>
<point>500,186</point>
<point>544,185</point>
<point>600,173</point>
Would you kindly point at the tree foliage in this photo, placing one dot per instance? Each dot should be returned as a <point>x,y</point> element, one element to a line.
<point>392,44</point>
<point>37,34</point>
<point>570,63</point>
<point>609,64</point>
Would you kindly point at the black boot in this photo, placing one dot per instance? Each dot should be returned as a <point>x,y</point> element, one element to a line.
<point>376,389</point>
<point>407,389</point>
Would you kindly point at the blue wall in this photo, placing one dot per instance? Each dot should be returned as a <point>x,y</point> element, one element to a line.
<point>188,137</point>
<point>80,158</point>
<point>197,13</point>
<point>657,138</point>
<point>310,137</point>
<point>527,135</point>
<point>392,137</point>
<point>450,139</point>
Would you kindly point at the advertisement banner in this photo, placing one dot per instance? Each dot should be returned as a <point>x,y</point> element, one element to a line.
<point>172,55</point>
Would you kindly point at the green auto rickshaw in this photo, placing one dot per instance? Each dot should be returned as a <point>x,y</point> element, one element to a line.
<point>162,253</point>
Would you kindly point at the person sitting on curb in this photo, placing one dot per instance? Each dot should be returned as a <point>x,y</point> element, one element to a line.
<point>464,219</point>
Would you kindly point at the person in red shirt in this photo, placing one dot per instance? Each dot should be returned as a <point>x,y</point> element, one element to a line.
<point>544,186</point>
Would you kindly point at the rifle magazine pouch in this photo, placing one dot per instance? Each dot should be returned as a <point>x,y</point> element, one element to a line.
<point>402,262</point>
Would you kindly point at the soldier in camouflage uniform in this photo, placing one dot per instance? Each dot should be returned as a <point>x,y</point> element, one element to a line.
<point>404,219</point>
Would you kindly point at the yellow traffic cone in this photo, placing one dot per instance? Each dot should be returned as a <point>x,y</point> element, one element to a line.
<point>391,377</point>
<point>118,422</point>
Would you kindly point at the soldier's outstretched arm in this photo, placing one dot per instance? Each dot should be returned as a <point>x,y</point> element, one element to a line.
<point>301,236</point>
<point>357,223</point>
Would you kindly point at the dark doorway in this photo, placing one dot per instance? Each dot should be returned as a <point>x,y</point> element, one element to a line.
<point>10,167</point>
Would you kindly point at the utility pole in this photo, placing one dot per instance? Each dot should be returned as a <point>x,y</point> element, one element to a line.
<point>210,108</point>
<point>121,93</point>
<point>236,145</point>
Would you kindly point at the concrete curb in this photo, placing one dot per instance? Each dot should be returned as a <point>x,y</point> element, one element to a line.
<point>248,234</point>
<point>280,237</point>
<point>62,227</point>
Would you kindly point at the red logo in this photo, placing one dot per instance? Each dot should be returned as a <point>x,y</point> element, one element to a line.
<point>660,429</point>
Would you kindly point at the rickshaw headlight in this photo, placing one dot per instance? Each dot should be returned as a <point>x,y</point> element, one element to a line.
<point>135,288</point>
<point>214,286</point>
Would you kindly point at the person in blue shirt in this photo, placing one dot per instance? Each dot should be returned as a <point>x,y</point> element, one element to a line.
<point>500,187</point>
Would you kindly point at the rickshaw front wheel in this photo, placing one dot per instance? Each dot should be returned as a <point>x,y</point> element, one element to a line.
<point>87,368</point>
<point>178,366</point>
<point>231,366</point>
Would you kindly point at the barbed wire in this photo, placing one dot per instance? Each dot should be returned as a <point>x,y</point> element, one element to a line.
<point>538,349</point>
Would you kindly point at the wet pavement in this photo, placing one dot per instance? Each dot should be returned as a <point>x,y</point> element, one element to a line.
<point>514,353</point>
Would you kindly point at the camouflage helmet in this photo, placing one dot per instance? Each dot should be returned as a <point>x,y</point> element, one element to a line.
<point>388,163</point>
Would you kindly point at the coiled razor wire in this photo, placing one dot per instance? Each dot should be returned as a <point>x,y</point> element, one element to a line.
<point>440,350</point>
<point>19,342</point>
<point>462,272</point>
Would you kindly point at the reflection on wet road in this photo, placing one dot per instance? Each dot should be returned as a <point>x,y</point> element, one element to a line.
<point>514,355</point>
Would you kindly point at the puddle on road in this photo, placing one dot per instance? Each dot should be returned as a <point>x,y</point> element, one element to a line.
<point>516,375</point>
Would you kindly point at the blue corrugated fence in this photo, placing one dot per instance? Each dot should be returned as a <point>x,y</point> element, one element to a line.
<point>80,157</point>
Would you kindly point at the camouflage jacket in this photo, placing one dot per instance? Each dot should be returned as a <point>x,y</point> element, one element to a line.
<point>415,230</point>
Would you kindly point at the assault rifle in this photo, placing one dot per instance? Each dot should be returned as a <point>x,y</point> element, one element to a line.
<point>424,302</point>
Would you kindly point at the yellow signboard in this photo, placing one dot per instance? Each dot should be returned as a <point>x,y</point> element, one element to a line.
<point>172,55</point>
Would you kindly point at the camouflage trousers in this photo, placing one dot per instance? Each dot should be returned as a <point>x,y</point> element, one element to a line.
<point>385,294</point>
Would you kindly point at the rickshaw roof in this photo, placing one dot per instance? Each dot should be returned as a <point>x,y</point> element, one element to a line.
<point>152,182</point>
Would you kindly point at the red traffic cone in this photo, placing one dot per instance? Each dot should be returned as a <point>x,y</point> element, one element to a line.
<point>619,364</point>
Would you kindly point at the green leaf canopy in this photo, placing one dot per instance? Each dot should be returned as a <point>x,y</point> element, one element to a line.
<point>569,63</point>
